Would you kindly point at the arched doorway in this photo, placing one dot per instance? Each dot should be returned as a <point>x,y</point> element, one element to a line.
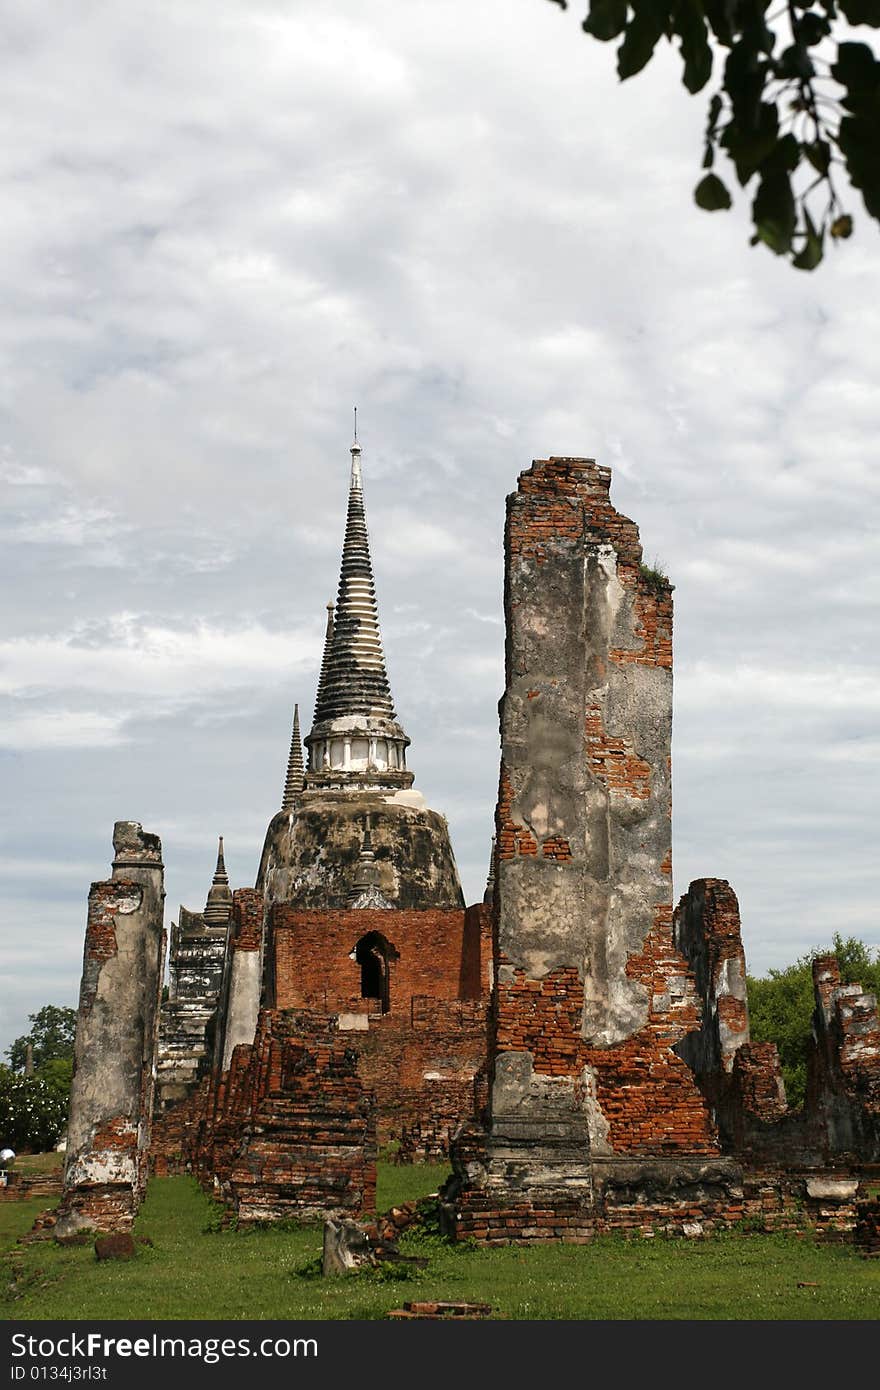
<point>373,954</point>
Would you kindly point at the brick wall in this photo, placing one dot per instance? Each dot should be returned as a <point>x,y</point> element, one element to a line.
<point>290,1129</point>
<point>435,953</point>
<point>422,1070</point>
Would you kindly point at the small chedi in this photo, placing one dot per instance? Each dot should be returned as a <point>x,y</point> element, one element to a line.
<point>578,1047</point>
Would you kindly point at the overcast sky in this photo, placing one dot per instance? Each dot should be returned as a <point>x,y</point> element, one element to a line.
<point>224,225</point>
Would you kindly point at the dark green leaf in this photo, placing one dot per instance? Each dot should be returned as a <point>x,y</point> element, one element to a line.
<point>718,14</point>
<point>607,19</point>
<point>811,253</point>
<point>859,71</point>
<point>773,211</point>
<point>643,33</point>
<point>858,141</point>
<point>711,195</point>
<point>842,226</point>
<point>786,156</point>
<point>862,12</point>
<point>819,155</point>
<point>745,74</point>
<point>812,28</point>
<point>690,25</point>
<point>749,144</point>
<point>794,61</point>
<point>715,106</point>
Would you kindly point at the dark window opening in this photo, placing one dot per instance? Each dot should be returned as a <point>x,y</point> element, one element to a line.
<point>373,954</point>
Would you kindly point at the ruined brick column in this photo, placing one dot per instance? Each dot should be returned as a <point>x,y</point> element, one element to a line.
<point>593,1117</point>
<point>843,1066</point>
<point>116,1038</point>
<point>707,932</point>
<point>242,984</point>
<point>741,1080</point>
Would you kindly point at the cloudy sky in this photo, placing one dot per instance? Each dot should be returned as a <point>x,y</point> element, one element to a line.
<point>224,225</point>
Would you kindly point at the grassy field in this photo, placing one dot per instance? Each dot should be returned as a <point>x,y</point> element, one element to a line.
<point>38,1163</point>
<point>194,1271</point>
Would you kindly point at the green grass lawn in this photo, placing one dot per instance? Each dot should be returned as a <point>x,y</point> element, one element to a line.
<point>38,1163</point>
<point>16,1218</point>
<point>192,1271</point>
<point>404,1182</point>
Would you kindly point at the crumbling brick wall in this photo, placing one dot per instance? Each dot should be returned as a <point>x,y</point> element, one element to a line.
<point>590,988</point>
<point>293,1130</point>
<point>116,1040</point>
<point>175,1133</point>
<point>422,1069</point>
<point>843,1066</point>
<point>741,1080</point>
<point>420,1057</point>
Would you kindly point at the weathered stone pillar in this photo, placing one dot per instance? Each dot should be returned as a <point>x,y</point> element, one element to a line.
<point>590,993</point>
<point>242,986</point>
<point>116,1036</point>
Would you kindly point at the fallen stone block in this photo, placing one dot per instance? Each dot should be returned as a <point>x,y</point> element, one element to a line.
<point>115,1247</point>
<point>350,1246</point>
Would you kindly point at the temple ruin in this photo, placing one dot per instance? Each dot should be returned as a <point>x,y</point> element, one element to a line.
<point>576,1045</point>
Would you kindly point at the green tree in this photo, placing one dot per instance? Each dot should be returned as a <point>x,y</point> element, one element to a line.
<point>797,102</point>
<point>52,1033</point>
<point>57,1074</point>
<point>781,1005</point>
<point>33,1113</point>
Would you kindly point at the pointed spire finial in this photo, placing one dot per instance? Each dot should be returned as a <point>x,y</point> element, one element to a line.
<point>356,479</point>
<point>353,677</point>
<point>220,875</point>
<point>325,658</point>
<point>365,890</point>
<point>296,774</point>
<point>218,906</point>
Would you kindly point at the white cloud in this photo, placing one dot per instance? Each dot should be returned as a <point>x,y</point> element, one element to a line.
<point>127,654</point>
<point>27,729</point>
